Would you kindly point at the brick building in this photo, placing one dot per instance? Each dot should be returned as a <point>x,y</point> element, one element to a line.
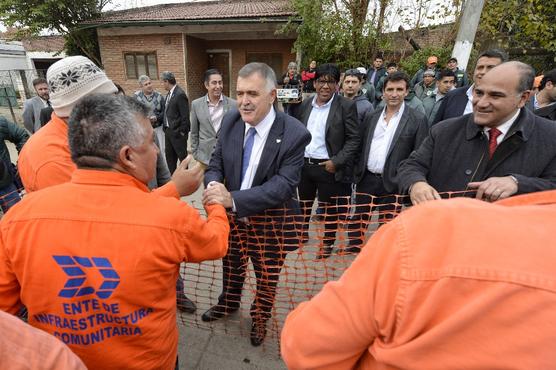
<point>188,38</point>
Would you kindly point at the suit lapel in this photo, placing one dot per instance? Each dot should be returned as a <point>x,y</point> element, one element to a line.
<point>236,143</point>
<point>205,112</point>
<point>333,109</point>
<point>401,126</point>
<point>270,150</point>
<point>369,137</point>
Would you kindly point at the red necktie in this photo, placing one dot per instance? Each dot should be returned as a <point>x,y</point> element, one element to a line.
<point>493,133</point>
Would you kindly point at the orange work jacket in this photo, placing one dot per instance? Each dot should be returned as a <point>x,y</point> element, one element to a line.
<point>95,261</point>
<point>450,284</point>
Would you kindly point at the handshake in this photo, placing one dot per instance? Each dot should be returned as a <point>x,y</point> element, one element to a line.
<point>188,180</point>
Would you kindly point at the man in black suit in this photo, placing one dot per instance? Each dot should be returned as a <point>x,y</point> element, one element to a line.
<point>544,102</point>
<point>332,121</point>
<point>258,156</point>
<point>460,101</point>
<point>176,121</point>
<point>501,149</point>
<point>388,137</point>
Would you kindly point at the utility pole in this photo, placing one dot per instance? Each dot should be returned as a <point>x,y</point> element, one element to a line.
<point>469,22</point>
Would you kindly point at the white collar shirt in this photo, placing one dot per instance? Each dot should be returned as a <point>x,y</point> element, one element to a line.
<point>504,128</point>
<point>382,140</point>
<point>316,124</point>
<point>469,106</point>
<point>216,112</point>
<point>263,129</point>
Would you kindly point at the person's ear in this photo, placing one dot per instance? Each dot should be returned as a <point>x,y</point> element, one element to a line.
<point>524,98</point>
<point>127,158</point>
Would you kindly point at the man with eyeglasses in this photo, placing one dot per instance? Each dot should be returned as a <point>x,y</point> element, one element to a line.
<point>332,121</point>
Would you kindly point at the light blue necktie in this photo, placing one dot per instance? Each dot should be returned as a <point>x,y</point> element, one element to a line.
<point>247,149</point>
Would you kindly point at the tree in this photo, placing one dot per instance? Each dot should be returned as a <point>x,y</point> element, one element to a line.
<point>61,16</point>
<point>342,31</point>
<point>529,25</point>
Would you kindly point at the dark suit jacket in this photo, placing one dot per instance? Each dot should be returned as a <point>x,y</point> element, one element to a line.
<point>456,153</point>
<point>411,131</point>
<point>548,112</point>
<point>177,112</point>
<point>278,172</point>
<point>342,131</point>
<point>453,105</point>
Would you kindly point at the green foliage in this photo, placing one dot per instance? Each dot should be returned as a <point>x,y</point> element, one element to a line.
<point>418,59</point>
<point>520,24</point>
<point>331,32</point>
<point>61,16</point>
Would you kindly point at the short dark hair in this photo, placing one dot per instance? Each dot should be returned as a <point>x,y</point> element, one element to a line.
<point>548,76</point>
<point>392,64</point>
<point>446,73</point>
<point>40,80</point>
<point>378,57</point>
<point>354,72</point>
<point>210,72</point>
<point>168,76</point>
<point>495,53</point>
<point>395,77</point>
<point>452,59</point>
<point>328,69</point>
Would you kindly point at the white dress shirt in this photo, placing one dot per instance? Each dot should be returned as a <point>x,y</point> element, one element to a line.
<point>316,124</point>
<point>504,128</point>
<point>469,106</point>
<point>382,140</point>
<point>216,112</point>
<point>263,128</point>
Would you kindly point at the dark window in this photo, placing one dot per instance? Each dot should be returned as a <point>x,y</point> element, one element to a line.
<point>137,64</point>
<point>274,60</point>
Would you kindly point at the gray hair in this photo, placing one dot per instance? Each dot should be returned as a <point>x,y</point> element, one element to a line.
<point>100,125</point>
<point>526,76</point>
<point>142,79</point>
<point>263,70</point>
<point>292,65</point>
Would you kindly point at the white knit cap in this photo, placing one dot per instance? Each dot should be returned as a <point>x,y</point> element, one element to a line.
<point>72,78</point>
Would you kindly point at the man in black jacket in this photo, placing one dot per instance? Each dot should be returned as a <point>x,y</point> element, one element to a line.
<point>388,137</point>
<point>459,101</point>
<point>500,150</point>
<point>9,192</point>
<point>332,121</point>
<point>176,121</point>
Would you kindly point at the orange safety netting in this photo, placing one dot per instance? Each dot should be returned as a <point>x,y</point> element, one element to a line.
<point>287,265</point>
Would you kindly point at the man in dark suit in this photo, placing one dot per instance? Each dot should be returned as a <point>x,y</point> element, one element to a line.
<point>388,137</point>
<point>176,121</point>
<point>460,101</point>
<point>332,121</point>
<point>258,156</point>
<point>501,149</point>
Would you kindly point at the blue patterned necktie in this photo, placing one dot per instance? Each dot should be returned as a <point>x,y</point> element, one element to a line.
<point>247,148</point>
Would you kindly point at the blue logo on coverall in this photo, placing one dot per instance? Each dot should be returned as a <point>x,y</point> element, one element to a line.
<point>76,285</point>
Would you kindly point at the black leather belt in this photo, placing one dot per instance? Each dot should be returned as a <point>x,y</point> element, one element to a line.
<point>314,160</point>
<point>373,174</point>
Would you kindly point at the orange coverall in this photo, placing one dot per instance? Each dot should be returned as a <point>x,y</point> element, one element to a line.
<point>95,261</point>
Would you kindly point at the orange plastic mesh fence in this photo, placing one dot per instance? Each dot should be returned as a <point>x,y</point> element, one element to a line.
<point>261,246</point>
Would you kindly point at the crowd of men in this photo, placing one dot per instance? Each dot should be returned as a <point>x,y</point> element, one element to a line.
<point>93,247</point>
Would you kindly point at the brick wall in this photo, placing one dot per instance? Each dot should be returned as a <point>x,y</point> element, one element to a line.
<point>169,52</point>
<point>170,56</point>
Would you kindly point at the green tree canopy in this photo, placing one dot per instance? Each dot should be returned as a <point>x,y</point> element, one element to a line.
<point>61,16</point>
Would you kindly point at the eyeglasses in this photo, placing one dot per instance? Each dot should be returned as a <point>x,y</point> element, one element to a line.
<point>326,82</point>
